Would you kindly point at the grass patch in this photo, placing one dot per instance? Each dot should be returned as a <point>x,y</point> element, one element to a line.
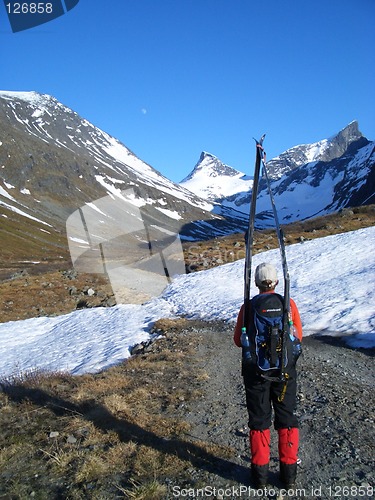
<point>151,490</point>
<point>222,250</point>
<point>115,434</point>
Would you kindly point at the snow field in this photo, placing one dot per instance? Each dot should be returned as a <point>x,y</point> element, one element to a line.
<point>332,282</point>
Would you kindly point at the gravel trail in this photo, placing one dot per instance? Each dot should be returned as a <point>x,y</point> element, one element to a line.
<point>335,410</point>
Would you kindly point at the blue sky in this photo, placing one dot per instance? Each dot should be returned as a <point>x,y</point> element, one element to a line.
<point>172,78</point>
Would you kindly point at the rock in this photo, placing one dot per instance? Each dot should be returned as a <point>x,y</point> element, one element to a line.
<point>82,304</point>
<point>71,274</point>
<point>346,212</point>
<point>110,302</point>
<point>137,349</point>
<point>20,274</point>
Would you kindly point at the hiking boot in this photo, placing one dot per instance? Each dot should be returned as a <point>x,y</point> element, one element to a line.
<point>259,474</point>
<point>288,474</point>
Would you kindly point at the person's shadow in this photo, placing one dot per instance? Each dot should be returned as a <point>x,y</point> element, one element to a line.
<point>127,431</point>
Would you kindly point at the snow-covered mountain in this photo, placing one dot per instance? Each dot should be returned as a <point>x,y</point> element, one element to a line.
<point>307,180</point>
<point>69,157</point>
<point>325,150</point>
<point>53,162</point>
<point>213,180</point>
<point>321,187</point>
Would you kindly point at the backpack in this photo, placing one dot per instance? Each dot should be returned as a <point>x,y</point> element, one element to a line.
<point>265,334</point>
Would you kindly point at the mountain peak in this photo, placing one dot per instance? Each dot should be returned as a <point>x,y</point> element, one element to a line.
<point>204,155</point>
<point>53,162</point>
<point>213,180</point>
<point>351,130</point>
<point>309,179</point>
<point>30,97</point>
<point>347,135</point>
<point>324,150</point>
<point>209,165</point>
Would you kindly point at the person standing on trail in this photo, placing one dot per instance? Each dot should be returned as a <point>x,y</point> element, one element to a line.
<point>262,393</point>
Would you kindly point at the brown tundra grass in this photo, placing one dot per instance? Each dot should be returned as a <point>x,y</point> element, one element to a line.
<point>115,434</point>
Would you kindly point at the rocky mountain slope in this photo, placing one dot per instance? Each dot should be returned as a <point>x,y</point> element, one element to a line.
<point>53,162</point>
<point>58,161</point>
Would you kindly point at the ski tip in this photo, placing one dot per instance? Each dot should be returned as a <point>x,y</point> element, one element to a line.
<point>260,142</point>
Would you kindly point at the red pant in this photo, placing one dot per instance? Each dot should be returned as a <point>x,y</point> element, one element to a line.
<point>260,446</point>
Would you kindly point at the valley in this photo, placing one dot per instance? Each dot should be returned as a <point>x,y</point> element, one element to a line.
<point>52,287</point>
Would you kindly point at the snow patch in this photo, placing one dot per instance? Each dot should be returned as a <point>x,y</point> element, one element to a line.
<point>331,280</point>
<point>169,213</point>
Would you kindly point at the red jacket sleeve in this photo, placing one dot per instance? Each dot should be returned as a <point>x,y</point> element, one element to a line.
<point>296,318</point>
<point>238,329</point>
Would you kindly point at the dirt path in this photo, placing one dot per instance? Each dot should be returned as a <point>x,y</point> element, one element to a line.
<point>335,409</point>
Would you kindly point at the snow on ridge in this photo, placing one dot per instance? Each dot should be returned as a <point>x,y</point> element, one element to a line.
<point>5,193</point>
<point>311,152</point>
<point>123,155</point>
<point>41,102</point>
<point>315,150</point>
<point>28,96</point>
<point>172,214</point>
<point>17,210</point>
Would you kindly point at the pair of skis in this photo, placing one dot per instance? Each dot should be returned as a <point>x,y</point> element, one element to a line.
<point>261,161</point>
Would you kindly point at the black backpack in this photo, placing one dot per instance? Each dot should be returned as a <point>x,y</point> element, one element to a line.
<point>265,334</point>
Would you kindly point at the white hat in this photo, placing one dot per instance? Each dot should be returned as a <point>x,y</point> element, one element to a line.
<point>266,276</point>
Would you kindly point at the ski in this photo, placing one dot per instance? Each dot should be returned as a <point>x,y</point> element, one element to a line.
<point>250,232</point>
<point>280,237</point>
<point>261,161</point>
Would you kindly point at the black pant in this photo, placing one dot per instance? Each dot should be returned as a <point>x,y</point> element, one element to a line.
<point>262,395</point>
